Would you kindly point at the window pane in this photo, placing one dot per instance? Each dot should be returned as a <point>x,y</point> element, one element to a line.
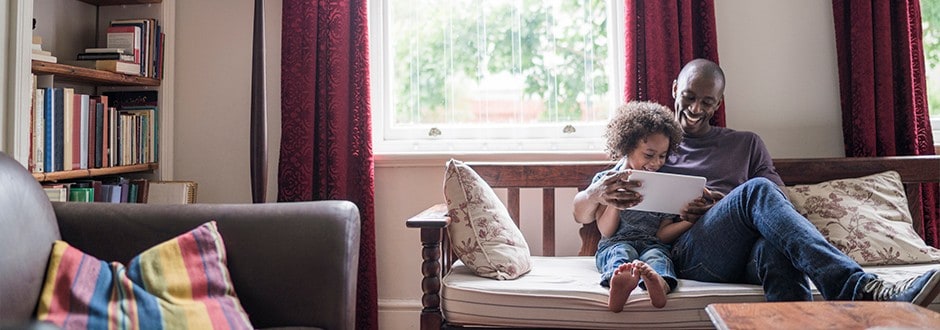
<point>930,18</point>
<point>504,64</point>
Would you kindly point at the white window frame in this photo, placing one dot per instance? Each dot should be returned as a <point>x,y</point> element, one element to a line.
<point>587,138</point>
<point>935,125</point>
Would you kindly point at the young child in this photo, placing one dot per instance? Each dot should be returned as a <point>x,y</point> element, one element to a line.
<point>634,248</point>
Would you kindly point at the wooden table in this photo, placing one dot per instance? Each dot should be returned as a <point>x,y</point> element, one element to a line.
<point>806,315</point>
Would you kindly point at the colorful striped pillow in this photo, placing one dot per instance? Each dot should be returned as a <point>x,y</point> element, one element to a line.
<point>182,283</point>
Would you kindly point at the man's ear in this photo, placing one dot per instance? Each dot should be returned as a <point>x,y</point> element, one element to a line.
<point>675,88</point>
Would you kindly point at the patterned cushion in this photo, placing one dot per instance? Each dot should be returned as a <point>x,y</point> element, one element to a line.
<point>481,231</point>
<point>867,218</point>
<point>182,283</point>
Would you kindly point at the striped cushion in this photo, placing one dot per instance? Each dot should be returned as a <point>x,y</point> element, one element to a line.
<point>182,283</point>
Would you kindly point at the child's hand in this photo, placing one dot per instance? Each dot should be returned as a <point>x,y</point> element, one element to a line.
<point>697,208</point>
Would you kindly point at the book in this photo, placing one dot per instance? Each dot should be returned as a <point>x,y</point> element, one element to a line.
<point>81,194</point>
<point>147,41</point>
<point>57,193</point>
<point>126,37</point>
<point>104,50</point>
<point>57,128</point>
<point>68,128</point>
<point>48,128</point>
<point>104,56</point>
<point>171,192</point>
<point>92,127</point>
<point>143,189</point>
<point>129,68</point>
<point>82,105</point>
<point>145,131</point>
<point>122,99</point>
<point>45,58</point>
<point>38,129</point>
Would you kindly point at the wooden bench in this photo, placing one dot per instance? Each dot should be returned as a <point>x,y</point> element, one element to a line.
<point>438,257</point>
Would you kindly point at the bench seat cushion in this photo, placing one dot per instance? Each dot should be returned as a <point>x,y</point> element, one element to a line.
<point>565,292</point>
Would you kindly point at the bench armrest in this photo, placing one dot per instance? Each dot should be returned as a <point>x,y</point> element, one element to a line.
<point>432,222</point>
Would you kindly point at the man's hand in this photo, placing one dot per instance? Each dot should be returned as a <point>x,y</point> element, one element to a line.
<point>697,208</point>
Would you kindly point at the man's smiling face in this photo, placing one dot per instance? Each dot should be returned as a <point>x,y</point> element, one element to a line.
<point>698,95</point>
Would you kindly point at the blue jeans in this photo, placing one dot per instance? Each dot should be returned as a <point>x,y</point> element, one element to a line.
<point>655,254</point>
<point>754,235</point>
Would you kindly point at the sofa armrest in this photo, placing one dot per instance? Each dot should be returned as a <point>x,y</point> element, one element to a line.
<point>292,264</point>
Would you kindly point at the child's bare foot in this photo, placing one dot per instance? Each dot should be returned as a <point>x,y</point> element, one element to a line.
<point>623,282</point>
<point>655,284</point>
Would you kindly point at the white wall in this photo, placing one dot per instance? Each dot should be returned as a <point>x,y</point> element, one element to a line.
<point>213,95</point>
<point>780,61</point>
<point>779,57</point>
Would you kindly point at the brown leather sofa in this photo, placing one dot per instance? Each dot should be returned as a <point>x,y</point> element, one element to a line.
<point>292,264</point>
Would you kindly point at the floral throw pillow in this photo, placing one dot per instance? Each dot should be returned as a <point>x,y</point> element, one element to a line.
<point>481,231</point>
<point>866,218</point>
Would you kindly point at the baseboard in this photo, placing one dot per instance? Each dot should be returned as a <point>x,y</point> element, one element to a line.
<point>399,314</point>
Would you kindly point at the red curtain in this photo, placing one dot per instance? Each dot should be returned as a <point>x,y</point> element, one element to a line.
<point>661,36</point>
<point>326,135</point>
<point>882,85</point>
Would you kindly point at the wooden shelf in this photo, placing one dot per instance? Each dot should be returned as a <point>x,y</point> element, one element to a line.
<point>78,174</point>
<point>120,2</point>
<point>77,73</point>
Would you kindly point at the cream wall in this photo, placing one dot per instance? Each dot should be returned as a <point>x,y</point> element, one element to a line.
<point>213,85</point>
<point>779,57</point>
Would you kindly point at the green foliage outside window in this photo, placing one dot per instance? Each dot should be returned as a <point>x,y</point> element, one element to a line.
<point>930,18</point>
<point>443,48</point>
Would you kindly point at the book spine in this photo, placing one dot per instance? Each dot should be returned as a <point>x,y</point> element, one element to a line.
<point>92,126</point>
<point>58,130</point>
<point>99,117</point>
<point>39,131</point>
<point>48,129</point>
<point>83,107</point>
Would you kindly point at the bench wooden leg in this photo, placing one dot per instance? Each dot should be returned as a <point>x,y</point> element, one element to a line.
<point>431,317</point>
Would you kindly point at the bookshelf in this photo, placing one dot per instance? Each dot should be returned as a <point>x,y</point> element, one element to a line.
<point>66,28</point>
<point>92,76</point>
<point>94,172</point>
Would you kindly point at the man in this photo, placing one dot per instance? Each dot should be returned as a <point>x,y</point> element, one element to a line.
<point>745,229</point>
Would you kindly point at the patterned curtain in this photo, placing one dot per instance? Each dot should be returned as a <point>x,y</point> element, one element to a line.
<point>661,36</point>
<point>882,86</point>
<point>326,135</point>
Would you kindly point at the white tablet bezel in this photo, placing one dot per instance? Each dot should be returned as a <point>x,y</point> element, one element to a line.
<point>666,192</point>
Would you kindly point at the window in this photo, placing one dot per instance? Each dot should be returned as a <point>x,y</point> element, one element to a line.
<point>494,75</point>
<point>930,20</point>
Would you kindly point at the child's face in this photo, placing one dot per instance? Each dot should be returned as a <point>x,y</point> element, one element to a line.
<point>650,154</point>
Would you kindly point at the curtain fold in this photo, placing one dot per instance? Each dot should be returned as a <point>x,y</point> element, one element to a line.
<point>326,135</point>
<point>882,86</point>
<point>661,36</point>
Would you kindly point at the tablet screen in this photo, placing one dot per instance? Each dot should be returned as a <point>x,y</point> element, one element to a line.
<point>666,192</point>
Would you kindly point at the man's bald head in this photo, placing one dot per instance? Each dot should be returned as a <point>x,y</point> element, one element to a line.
<point>703,68</point>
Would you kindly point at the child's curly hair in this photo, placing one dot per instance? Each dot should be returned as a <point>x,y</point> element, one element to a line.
<point>636,120</point>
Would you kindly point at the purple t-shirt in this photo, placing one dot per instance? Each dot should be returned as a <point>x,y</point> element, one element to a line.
<point>725,157</point>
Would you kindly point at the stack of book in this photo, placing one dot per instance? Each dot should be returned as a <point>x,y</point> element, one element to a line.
<point>112,59</point>
<point>42,55</point>
<point>133,46</point>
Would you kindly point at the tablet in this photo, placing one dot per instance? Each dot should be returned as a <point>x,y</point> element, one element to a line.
<point>666,192</point>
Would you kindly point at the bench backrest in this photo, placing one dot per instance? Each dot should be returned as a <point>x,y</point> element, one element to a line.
<point>549,176</point>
